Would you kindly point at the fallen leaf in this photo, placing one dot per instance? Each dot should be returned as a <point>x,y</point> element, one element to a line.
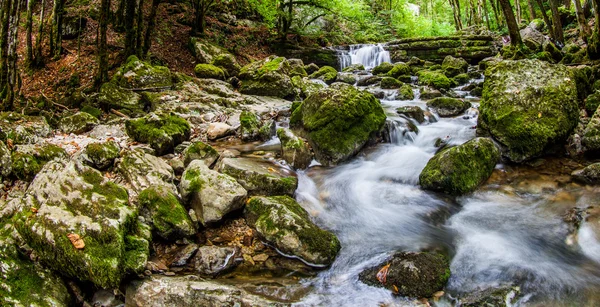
<point>9,143</point>
<point>34,210</point>
<point>76,240</point>
<point>382,274</point>
<point>271,169</point>
<point>540,114</point>
<point>395,289</point>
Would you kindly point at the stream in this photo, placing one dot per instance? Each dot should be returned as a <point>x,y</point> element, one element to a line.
<point>510,232</point>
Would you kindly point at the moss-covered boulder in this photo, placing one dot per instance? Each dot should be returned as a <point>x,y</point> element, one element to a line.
<point>281,221</point>
<point>23,283</point>
<point>297,68</point>
<point>253,128</point>
<point>112,96</point>
<point>461,79</point>
<point>590,174</point>
<point>460,169</point>
<point>294,150</point>
<point>269,77</point>
<point>413,112</point>
<point>259,177</point>
<point>405,93</point>
<point>399,69</point>
<point>448,107</point>
<point>382,68</point>
<point>592,102</point>
<point>305,86</point>
<point>5,161</point>
<point>28,160</point>
<point>390,83</point>
<point>311,68</point>
<point>211,194</point>
<point>22,129</point>
<point>228,63</point>
<point>200,151</point>
<point>338,121</point>
<point>80,122</point>
<point>162,131</point>
<point>528,106</point>
<point>346,77</point>
<point>142,170</point>
<point>410,274</point>
<point>453,66</point>
<point>326,74</point>
<point>101,155</point>
<point>203,51</point>
<point>427,93</point>
<point>434,79</point>
<point>591,134</point>
<point>209,71</point>
<point>353,68</point>
<point>81,224</point>
<point>498,296</point>
<point>137,74</point>
<point>162,210</point>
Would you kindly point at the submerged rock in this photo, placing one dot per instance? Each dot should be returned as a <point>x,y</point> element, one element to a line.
<point>281,221</point>
<point>503,296</point>
<point>590,174</point>
<point>414,112</point>
<point>448,107</point>
<point>258,177</point>
<point>162,131</point>
<point>338,121</point>
<point>295,151</point>
<point>410,274</point>
<point>214,260</point>
<point>164,212</point>
<point>528,106</point>
<point>78,123</point>
<point>22,129</point>
<point>460,169</point>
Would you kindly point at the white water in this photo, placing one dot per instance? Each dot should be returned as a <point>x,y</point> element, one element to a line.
<point>368,55</point>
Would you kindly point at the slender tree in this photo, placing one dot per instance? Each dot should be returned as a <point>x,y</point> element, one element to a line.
<point>150,28</point>
<point>39,37</point>
<point>56,34</point>
<point>518,11</point>
<point>4,36</point>
<point>549,24</point>
<point>556,24</point>
<point>138,29</point>
<point>29,29</point>
<point>102,74</point>
<point>201,7</point>
<point>532,14</point>
<point>511,23</point>
<point>584,28</point>
<point>129,22</point>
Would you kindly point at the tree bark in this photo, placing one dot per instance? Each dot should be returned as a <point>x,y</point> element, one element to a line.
<point>102,74</point>
<point>4,35</point>
<point>56,34</point>
<point>532,14</point>
<point>547,20</point>
<point>496,13</point>
<point>150,28</point>
<point>486,15</point>
<point>138,29</point>
<point>584,28</point>
<point>511,23</point>
<point>518,9</point>
<point>556,24</point>
<point>130,27</point>
<point>39,38</point>
<point>28,33</point>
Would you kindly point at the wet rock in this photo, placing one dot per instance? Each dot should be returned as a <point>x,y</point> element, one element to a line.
<point>311,68</point>
<point>106,298</point>
<point>212,195</point>
<point>204,51</point>
<point>434,79</point>
<point>429,93</point>
<point>81,224</point>
<point>22,129</point>
<point>258,177</point>
<point>101,155</point>
<point>448,107</point>
<point>214,260</point>
<point>529,107</point>
<point>162,131</point>
<point>338,121</point>
<point>142,170</point>
<point>295,151</point>
<point>28,160</point>
<point>136,74</point>
<point>592,102</point>
<point>111,96</point>
<point>410,274</point>
<point>297,66</point>
<point>190,291</point>
<point>168,218</point>
<point>390,83</point>
<point>590,174</point>
<point>591,134</point>
<point>460,169</point>
<point>281,221</point>
<point>326,74</point>
<point>346,77</point>
<point>405,93</point>
<point>209,71</point>
<point>503,296</point>
<point>383,68</point>
<point>399,69</point>
<point>454,66</point>
<point>228,63</point>
<point>354,67</point>
<point>200,151</point>
<point>306,86</point>
<point>5,161</point>
<point>219,130</point>
<point>184,255</point>
<point>269,77</point>
<point>412,112</point>
<point>252,128</point>
<point>78,123</point>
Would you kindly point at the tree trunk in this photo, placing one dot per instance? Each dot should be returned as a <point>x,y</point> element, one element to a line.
<point>139,28</point>
<point>558,30</point>
<point>10,31</point>
<point>5,19</point>
<point>496,13</point>
<point>596,5</point>
<point>584,28</point>
<point>150,28</point>
<point>486,14</point>
<point>532,14</point>
<point>102,75</point>
<point>120,16</point>
<point>28,33</point>
<point>547,20</point>
<point>130,27</point>
<point>518,9</point>
<point>455,12</point>
<point>39,38</point>
<point>56,34</point>
<point>511,23</point>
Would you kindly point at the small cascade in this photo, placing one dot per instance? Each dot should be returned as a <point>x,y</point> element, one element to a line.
<point>367,55</point>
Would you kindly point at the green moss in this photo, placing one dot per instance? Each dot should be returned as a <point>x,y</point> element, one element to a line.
<point>383,68</point>
<point>166,213</point>
<point>592,102</point>
<point>199,151</point>
<point>111,96</point>
<point>327,74</point>
<point>398,70</point>
<point>26,165</point>
<point>228,63</point>
<point>461,79</point>
<point>102,154</point>
<point>390,83</point>
<point>209,71</point>
<point>95,112</point>
<point>406,92</point>
<point>136,74</point>
<point>434,79</point>
<point>163,131</point>
<point>454,66</point>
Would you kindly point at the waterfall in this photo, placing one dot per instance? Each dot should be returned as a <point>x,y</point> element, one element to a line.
<point>367,55</point>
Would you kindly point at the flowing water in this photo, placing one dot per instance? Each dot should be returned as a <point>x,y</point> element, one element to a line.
<point>510,232</point>
<point>367,55</point>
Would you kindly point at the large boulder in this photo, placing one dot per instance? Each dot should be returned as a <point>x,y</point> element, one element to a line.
<point>326,74</point>
<point>78,123</point>
<point>214,260</point>
<point>460,169</point>
<point>338,121</point>
<point>200,151</point>
<point>528,106</point>
<point>22,129</point>
<point>454,66</point>
<point>162,131</point>
<point>211,194</point>
<point>434,79</point>
<point>209,71</point>
<point>28,160</point>
<point>383,68</point>
<point>590,174</point>
<point>305,86</point>
<point>258,177</point>
<point>101,155</point>
<point>295,151</point>
<point>448,107</point>
<point>591,134</point>
<point>253,128</point>
<point>228,63</point>
<point>82,225</point>
<point>410,274</point>
<point>112,96</point>
<point>269,77</point>
<point>161,209</point>
<point>142,170</point>
<point>140,75</point>
<point>205,52</point>
<point>281,221</point>
<point>532,38</point>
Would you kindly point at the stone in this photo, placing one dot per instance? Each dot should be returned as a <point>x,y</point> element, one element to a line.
<point>346,77</point>
<point>295,151</point>
<point>353,68</point>
<point>28,160</point>
<point>209,71</point>
<point>205,52</point>
<point>258,177</point>
<point>81,224</point>
<point>228,63</point>
<point>111,96</point>
<point>282,222</point>
<point>338,121</point>
<point>413,112</point>
<point>501,296</point>
<point>382,68</point>
<point>390,83</point>
<point>137,74</point>
<point>427,93</point>
<point>252,128</point>
<point>590,174</point>
<point>214,260</point>
<point>405,93</point>
<point>142,170</point>
<point>184,255</point>
<point>23,129</point>
<point>162,131</point>
<point>434,79</point>
<point>460,169</point>
<point>297,68</point>
<point>529,107</point>
<point>399,69</point>
<point>448,107</point>
<point>200,151</point>
<point>218,130</point>
<point>326,74</point>
<point>211,194</point>
<point>532,38</point>
<point>454,66</point>
<point>591,135</point>
<point>5,161</point>
<point>269,77</point>
<point>101,155</point>
<point>311,68</point>
<point>412,274</point>
<point>78,123</point>
<point>168,218</point>
<point>305,86</point>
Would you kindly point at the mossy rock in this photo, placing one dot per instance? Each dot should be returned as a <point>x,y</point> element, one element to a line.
<point>281,221</point>
<point>399,69</point>
<point>168,217</point>
<point>354,67</point>
<point>295,151</point>
<point>78,123</point>
<point>95,112</point>
<point>209,71</point>
<point>102,155</point>
<point>81,224</point>
<point>305,86</point>
<point>460,169</point>
<point>326,74</point>
<point>259,177</point>
<point>413,112</point>
<point>112,96</point>
<point>427,93</point>
<point>448,107</point>
<point>5,161</point>
<point>200,151</point>
<point>28,160</point>
<point>383,68</point>
<point>228,63</point>
<point>136,74</point>
<point>311,68</point>
<point>23,129</point>
<point>338,121</point>
<point>434,79</point>
<point>297,68</point>
<point>346,77</point>
<point>410,274</point>
<point>252,128</point>
<point>269,77</point>
<point>405,93</point>
<point>592,102</point>
<point>162,131</point>
<point>501,296</point>
<point>461,79</point>
<point>390,83</point>
<point>530,107</point>
<point>203,51</point>
<point>143,170</point>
